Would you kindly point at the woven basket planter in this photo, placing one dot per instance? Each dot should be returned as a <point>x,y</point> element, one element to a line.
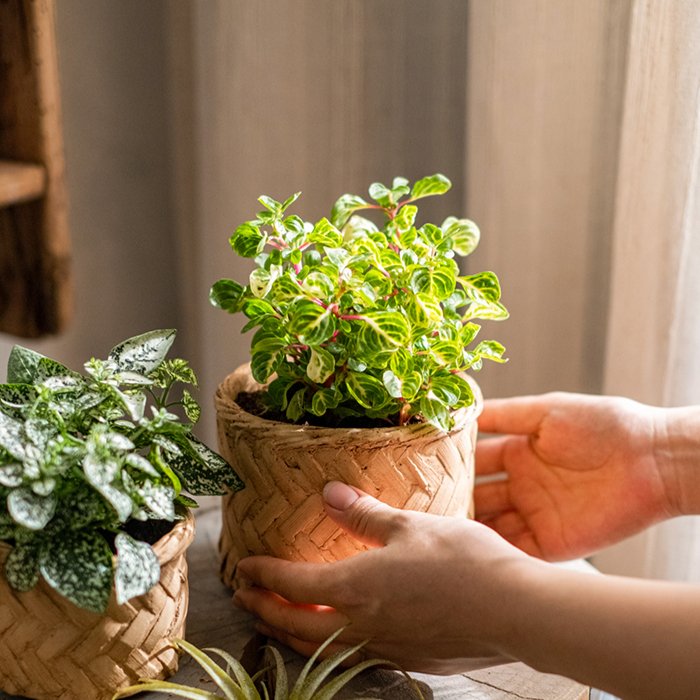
<point>51,649</point>
<point>285,467</point>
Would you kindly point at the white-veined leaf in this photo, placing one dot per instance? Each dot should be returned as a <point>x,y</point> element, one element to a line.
<point>137,570</point>
<point>143,353</point>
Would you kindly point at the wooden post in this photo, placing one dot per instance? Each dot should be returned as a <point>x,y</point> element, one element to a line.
<point>35,288</point>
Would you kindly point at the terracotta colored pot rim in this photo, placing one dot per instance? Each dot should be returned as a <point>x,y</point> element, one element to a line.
<point>241,380</point>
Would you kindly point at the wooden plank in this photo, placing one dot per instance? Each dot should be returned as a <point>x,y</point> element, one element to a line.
<point>20,182</point>
<point>35,289</point>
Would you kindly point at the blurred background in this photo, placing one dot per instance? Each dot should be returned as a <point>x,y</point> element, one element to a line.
<point>569,130</point>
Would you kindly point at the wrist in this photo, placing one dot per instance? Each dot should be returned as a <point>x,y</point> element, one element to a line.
<point>677,454</point>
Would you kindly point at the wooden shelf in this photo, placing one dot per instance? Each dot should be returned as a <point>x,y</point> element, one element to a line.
<point>21,182</point>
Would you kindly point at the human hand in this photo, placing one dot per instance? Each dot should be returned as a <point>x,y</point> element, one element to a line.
<point>581,472</point>
<point>435,594</point>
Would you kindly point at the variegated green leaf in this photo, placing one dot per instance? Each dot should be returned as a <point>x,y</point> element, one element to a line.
<point>78,565</point>
<point>191,407</point>
<point>344,208</point>
<point>311,323</point>
<point>324,400</point>
<point>12,436</point>
<point>143,353</point>
<point>22,567</point>
<point>22,365</point>
<point>436,412</point>
<point>204,472</point>
<point>321,365</point>
<point>137,569</point>
<point>227,295</point>
<point>462,234</point>
<point>15,399</point>
<point>30,510</point>
<point>247,240</point>
<point>367,390</point>
<point>385,330</point>
<point>326,234</point>
<point>11,474</point>
<point>433,184</point>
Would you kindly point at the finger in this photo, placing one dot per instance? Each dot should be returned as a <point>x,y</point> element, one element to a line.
<point>310,622</point>
<point>298,582</point>
<point>491,499</point>
<point>490,455</point>
<point>521,415</point>
<point>508,524</point>
<point>365,518</point>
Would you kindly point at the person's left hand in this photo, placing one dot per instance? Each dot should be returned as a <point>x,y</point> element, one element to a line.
<point>435,594</point>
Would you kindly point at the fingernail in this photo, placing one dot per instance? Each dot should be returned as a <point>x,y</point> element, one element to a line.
<point>238,602</point>
<point>339,496</point>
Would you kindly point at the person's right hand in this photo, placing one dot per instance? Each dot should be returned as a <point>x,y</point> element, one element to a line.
<point>580,472</point>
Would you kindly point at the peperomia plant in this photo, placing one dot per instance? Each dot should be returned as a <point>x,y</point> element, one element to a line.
<point>83,456</point>
<point>360,319</point>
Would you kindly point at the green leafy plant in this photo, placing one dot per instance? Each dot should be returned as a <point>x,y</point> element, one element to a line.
<point>315,682</point>
<point>85,456</point>
<point>360,319</point>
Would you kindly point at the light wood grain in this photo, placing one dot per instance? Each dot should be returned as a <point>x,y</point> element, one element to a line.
<point>20,182</point>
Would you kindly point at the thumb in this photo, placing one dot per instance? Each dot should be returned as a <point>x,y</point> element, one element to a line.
<point>364,517</point>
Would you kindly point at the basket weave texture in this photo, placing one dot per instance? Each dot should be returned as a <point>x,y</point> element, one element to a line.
<point>285,467</point>
<point>51,649</point>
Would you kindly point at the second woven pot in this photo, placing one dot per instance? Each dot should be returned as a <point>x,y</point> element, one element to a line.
<point>285,467</point>
<point>52,650</point>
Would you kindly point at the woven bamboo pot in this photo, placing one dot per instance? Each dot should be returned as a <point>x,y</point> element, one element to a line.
<point>285,466</point>
<point>51,649</point>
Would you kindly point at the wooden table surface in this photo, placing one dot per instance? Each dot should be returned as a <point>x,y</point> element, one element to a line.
<point>214,622</point>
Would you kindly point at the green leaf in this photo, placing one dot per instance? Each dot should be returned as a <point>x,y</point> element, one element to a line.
<point>343,209</point>
<point>326,234</point>
<point>11,474</point>
<point>321,365</point>
<point>203,471</point>
<point>324,400</point>
<point>137,570</point>
<point>222,680</point>
<point>427,186</point>
<point>311,323</point>
<point>16,398</point>
<point>191,407</point>
<point>406,217</point>
<point>264,363</point>
<point>383,330</point>
<point>367,390</point>
<point>392,384</point>
<point>30,510</point>
<point>47,369</point>
<point>78,565</point>
<point>490,350</point>
<point>260,282</point>
<point>102,473</point>
<point>227,295</point>
<point>12,436</point>
<point>431,234</point>
<point>436,412</point>
<point>438,282</point>
<point>270,204</point>
<point>22,567</point>
<point>21,365</point>
<point>247,240</point>
<point>381,194</point>
<point>143,353</point>
<point>463,235</point>
<point>159,499</point>
<point>297,405</point>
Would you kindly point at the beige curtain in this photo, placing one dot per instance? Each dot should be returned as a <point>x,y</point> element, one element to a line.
<point>653,345</point>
